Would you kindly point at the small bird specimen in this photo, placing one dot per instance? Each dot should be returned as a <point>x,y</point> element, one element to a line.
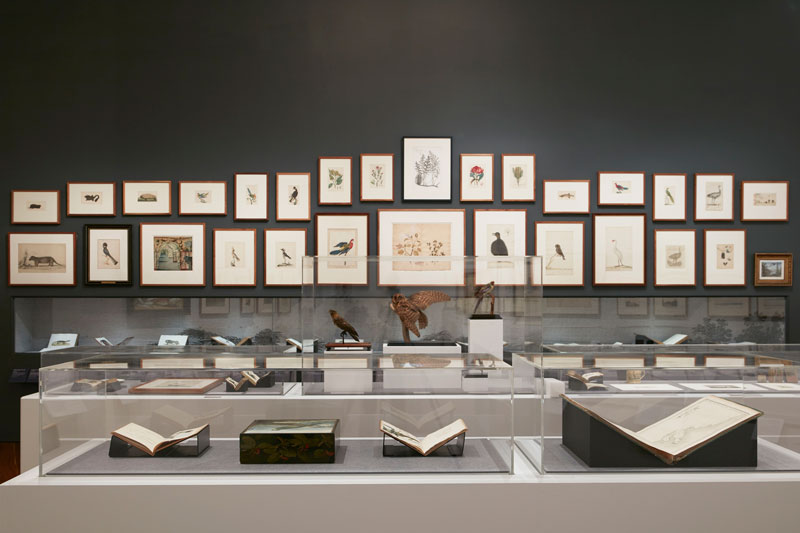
<point>234,257</point>
<point>481,292</point>
<point>344,325</point>
<point>559,253</point>
<point>712,198</point>
<point>409,310</point>
<point>620,188</point>
<point>293,196</point>
<point>618,253</point>
<point>251,197</point>
<point>202,197</point>
<point>668,198</point>
<point>108,254</point>
<point>342,248</point>
<point>498,245</point>
<point>287,259</point>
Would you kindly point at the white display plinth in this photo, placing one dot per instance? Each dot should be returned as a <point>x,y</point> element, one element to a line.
<point>421,348</point>
<point>486,335</point>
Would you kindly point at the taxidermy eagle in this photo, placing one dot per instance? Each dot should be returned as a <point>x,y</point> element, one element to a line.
<point>409,310</point>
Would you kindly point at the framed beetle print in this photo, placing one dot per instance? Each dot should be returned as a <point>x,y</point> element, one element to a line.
<point>518,173</point>
<point>765,201</point>
<point>620,188</point>
<point>477,177</point>
<point>335,180</point>
<point>560,245</point>
<point>713,197</point>
<point>250,196</point>
<point>293,196</point>
<point>234,257</point>
<point>284,249</point>
<point>172,253</point>
<point>108,254</point>
<point>566,197</point>
<point>499,246</point>
<point>41,259</point>
<point>146,197</point>
<point>773,270</point>
<point>91,199</point>
<point>377,178</point>
<point>203,198</point>
<point>674,259</point>
<point>725,258</point>
<point>669,197</point>
<point>35,207</point>
<point>342,247</point>
<point>427,168</point>
<point>619,250</point>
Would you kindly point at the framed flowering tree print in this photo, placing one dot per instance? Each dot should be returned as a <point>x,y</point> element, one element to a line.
<point>477,177</point>
<point>427,171</point>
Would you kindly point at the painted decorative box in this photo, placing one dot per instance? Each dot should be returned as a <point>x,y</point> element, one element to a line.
<point>289,441</point>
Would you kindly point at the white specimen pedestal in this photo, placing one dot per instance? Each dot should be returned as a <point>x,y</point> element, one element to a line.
<point>421,348</point>
<point>486,335</point>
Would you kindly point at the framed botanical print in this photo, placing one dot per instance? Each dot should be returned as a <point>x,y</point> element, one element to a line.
<point>250,196</point>
<point>674,259</point>
<point>35,207</point>
<point>725,258</point>
<point>146,197</point>
<point>427,172</point>
<point>234,257</point>
<point>335,181</point>
<point>41,259</point>
<point>566,197</point>
<point>342,244</point>
<point>670,307</point>
<point>713,197</point>
<point>293,196</point>
<point>669,197</point>
<point>203,198</point>
<point>560,245</point>
<point>91,199</point>
<point>620,188</point>
<point>172,253</point>
<point>499,246</point>
<point>773,270</point>
<point>284,249</point>
<point>518,174</point>
<point>377,178</point>
<point>619,250</point>
<point>764,201</point>
<point>477,177</point>
<point>108,254</point>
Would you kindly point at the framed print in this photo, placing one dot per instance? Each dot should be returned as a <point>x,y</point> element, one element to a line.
<point>560,245</point>
<point>670,307</point>
<point>773,270</point>
<point>518,174</point>
<point>498,234</point>
<point>284,250</point>
<point>725,258</point>
<point>108,252</point>
<point>35,207</point>
<point>377,178</point>
<point>215,306</point>
<point>674,260</point>
<point>572,306</point>
<point>768,307</point>
<point>248,306</point>
<point>342,239</point>
<point>619,250</point>
<point>633,307</point>
<point>172,253</point>
<point>620,188</point>
<point>41,258</point>
<point>293,196</point>
<point>669,197</point>
<point>202,197</point>
<point>335,180</point>
<point>729,307</point>
<point>146,197</point>
<point>59,341</point>
<point>250,196</point>
<point>234,257</point>
<point>427,172</point>
<point>713,197</point>
<point>176,386</point>
<point>422,236</point>
<point>477,177</point>
<point>91,199</point>
<point>266,306</point>
<point>764,201</point>
<point>566,197</point>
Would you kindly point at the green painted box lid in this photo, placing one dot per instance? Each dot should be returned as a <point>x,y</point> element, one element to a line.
<point>278,427</point>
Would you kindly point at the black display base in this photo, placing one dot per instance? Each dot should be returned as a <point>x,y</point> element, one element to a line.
<point>393,448</point>
<point>485,317</point>
<point>197,445</point>
<point>265,379</point>
<point>575,384</point>
<point>420,343</point>
<point>109,387</point>
<point>243,388</point>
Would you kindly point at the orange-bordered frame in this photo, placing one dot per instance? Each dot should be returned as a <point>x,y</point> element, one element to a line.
<point>539,252</point>
<point>583,211</point>
<point>745,183</point>
<point>222,208</point>
<point>113,186</point>
<point>655,176</point>
<point>656,257</point>
<point>57,220</point>
<point>202,262</point>
<point>706,258</point>
<point>278,197</point>
<point>503,196</point>
<point>604,175</point>
<point>631,216</point>
<point>299,256</point>
<point>265,176</point>
<point>362,171</point>
<point>319,252</point>
<point>321,191</point>
<point>214,280</point>
<point>155,183</point>
<point>728,192</point>
<point>71,283</point>
<point>490,165</point>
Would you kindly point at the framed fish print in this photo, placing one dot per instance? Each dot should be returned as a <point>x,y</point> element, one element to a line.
<point>499,246</point>
<point>41,259</point>
<point>91,199</point>
<point>725,258</point>
<point>250,196</point>
<point>335,181</point>
<point>713,197</point>
<point>427,168</point>
<point>620,188</point>
<point>35,207</point>
<point>234,257</point>
<point>765,201</point>
<point>377,178</point>
<point>518,174</point>
<point>674,259</point>
<point>284,249</point>
<point>172,253</point>
<point>669,197</point>
<point>619,250</point>
<point>108,253</point>
<point>293,196</point>
<point>560,245</point>
<point>566,197</point>
<point>342,244</point>
<point>477,177</point>
<point>202,198</point>
<point>773,270</point>
<point>146,197</point>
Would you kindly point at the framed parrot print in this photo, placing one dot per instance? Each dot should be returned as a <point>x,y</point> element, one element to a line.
<point>342,247</point>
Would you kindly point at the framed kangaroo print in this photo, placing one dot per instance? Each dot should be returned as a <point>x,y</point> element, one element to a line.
<point>477,177</point>
<point>518,175</point>
<point>773,270</point>
<point>620,188</point>
<point>725,258</point>
<point>284,249</point>
<point>91,199</point>
<point>172,253</point>
<point>669,197</point>
<point>765,201</point>
<point>250,196</point>
<point>35,207</point>
<point>293,196</point>
<point>108,254</point>
<point>335,181</point>
<point>619,250</point>
<point>203,198</point>
<point>713,197</point>
<point>146,197</point>
<point>41,259</point>
<point>560,245</point>
<point>499,246</point>
<point>674,257</point>
<point>377,177</point>
<point>562,197</point>
<point>342,244</point>
<point>427,172</point>
<point>234,257</point>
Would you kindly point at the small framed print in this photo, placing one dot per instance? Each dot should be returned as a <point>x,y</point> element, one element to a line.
<point>41,258</point>
<point>729,307</point>
<point>765,201</point>
<point>620,188</point>
<point>335,180</point>
<point>619,250</point>
<point>767,307</point>
<point>35,207</point>
<point>234,257</point>
<point>670,307</point>
<point>499,234</point>
<point>560,245</point>
<point>633,307</point>
<point>669,197</point>
<point>477,177</point>
<point>203,198</point>
<point>377,178</point>
<point>713,197</point>
<point>172,253</point>
<point>146,197</point>
<point>773,270</point>
<point>247,306</point>
<point>518,173</point>
<point>91,199</point>
<point>284,250</point>
<point>566,197</point>
<point>250,196</point>
<point>342,244</point>
<point>725,258</point>
<point>215,306</point>
<point>108,253</point>
<point>674,258</point>
<point>293,196</point>
<point>427,168</point>
<point>266,306</point>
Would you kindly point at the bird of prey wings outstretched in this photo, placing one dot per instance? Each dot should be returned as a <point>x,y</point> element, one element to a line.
<point>409,310</point>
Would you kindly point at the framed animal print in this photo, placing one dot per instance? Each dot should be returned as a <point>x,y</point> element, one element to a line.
<point>560,245</point>
<point>713,197</point>
<point>91,199</point>
<point>108,253</point>
<point>284,249</point>
<point>203,198</point>
<point>146,197</point>
<point>35,207</point>
<point>293,196</point>
<point>335,181</point>
<point>500,246</point>
<point>773,270</point>
<point>620,188</point>
<point>765,201</point>
<point>566,197</point>
<point>41,259</point>
<point>377,178</point>
<point>342,244</point>
<point>234,257</point>
<point>518,174</point>
<point>725,258</point>
<point>674,259</point>
<point>669,197</point>
<point>477,177</point>
<point>172,253</point>
<point>619,250</point>
<point>250,196</point>
<point>427,168</point>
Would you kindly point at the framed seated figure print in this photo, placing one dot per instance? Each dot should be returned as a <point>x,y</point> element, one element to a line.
<point>619,250</point>
<point>725,258</point>
<point>764,201</point>
<point>713,197</point>
<point>108,253</point>
<point>41,258</point>
<point>172,253</point>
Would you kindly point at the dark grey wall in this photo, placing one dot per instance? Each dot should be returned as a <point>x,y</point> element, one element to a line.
<point>200,90</point>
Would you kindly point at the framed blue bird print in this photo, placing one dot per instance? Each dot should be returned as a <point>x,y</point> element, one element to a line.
<point>108,254</point>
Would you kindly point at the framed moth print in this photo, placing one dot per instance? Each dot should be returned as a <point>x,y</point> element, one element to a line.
<point>725,258</point>
<point>335,181</point>
<point>518,173</point>
<point>202,198</point>
<point>91,199</point>
<point>342,247</point>
<point>560,245</point>
<point>250,196</point>
<point>620,188</point>
<point>669,197</point>
<point>146,197</point>
<point>172,253</point>
<point>619,250</point>
<point>764,201</point>
<point>377,177</point>
<point>713,197</point>
<point>674,258</point>
<point>293,196</point>
<point>477,177</point>
<point>41,259</point>
<point>427,172</point>
<point>566,197</point>
<point>773,270</point>
<point>35,207</point>
<point>234,257</point>
<point>499,246</point>
<point>284,250</point>
<point>108,254</point>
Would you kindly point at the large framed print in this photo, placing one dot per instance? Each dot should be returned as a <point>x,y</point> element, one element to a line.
<point>499,246</point>
<point>674,260</point>
<point>566,197</point>
<point>293,196</point>
<point>725,258</point>
<point>176,386</point>
<point>35,207</point>
<point>335,181</point>
<point>203,198</point>
<point>109,254</point>
<point>147,197</point>
<point>620,188</point>
<point>342,244</point>
<point>477,177</point>
<point>773,270</point>
<point>518,175</point>
<point>765,201</point>
<point>669,197</point>
<point>427,168</point>
<point>421,247</point>
<point>284,250</point>
<point>234,257</point>
<point>713,197</point>
<point>377,178</point>
<point>560,245</point>
<point>250,196</point>
<point>172,253</point>
<point>41,258</point>
<point>86,199</point>
<point>619,249</point>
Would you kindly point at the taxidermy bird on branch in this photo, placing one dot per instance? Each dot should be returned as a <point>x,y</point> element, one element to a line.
<point>409,310</point>
<point>344,325</point>
<point>481,292</point>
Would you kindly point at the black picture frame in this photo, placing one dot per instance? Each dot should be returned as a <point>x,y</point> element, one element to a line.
<point>405,192</point>
<point>86,245</point>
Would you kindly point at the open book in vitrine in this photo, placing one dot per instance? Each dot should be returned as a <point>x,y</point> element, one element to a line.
<point>429,443</point>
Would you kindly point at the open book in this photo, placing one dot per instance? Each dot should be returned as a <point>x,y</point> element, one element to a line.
<point>248,376</point>
<point>151,442</point>
<point>589,380</point>
<point>225,342</point>
<point>429,443</point>
<point>678,338</point>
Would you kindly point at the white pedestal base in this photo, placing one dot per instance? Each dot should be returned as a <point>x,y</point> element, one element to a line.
<point>421,348</point>
<point>486,336</point>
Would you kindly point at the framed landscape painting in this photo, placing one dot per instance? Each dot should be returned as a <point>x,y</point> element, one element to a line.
<point>560,245</point>
<point>773,270</point>
<point>108,252</point>
<point>172,253</point>
<point>377,178</point>
<point>41,259</point>
<point>619,250</point>
<point>499,246</point>
<point>477,177</point>
<point>35,207</point>
<point>250,196</point>
<point>146,197</point>
<point>566,197</point>
<point>293,196</point>
<point>91,199</point>
<point>342,244</point>
<point>335,180</point>
<point>765,201</point>
<point>427,168</point>
<point>284,249</point>
<point>674,257</point>
<point>669,197</point>
<point>234,257</point>
<point>620,188</point>
<point>725,258</point>
<point>518,174</point>
<point>203,198</point>
<point>713,197</point>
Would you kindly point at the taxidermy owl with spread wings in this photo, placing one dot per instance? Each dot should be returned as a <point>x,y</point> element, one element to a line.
<point>409,310</point>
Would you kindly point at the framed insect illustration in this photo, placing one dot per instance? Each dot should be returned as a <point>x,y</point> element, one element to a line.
<point>725,257</point>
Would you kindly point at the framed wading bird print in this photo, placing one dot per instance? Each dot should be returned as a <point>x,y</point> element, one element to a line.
<point>477,177</point>
<point>234,257</point>
<point>713,197</point>
<point>91,199</point>
<point>427,168</point>
<point>725,258</point>
<point>518,175</point>
<point>250,196</point>
<point>284,249</point>
<point>335,180</point>
<point>108,254</point>
<point>560,245</point>
<point>147,197</point>
<point>203,198</point>
<point>764,201</point>
<point>35,207</point>
<point>674,259</point>
<point>566,197</point>
<point>669,197</point>
<point>499,246</point>
<point>377,177</point>
<point>619,250</point>
<point>172,253</point>
<point>620,188</point>
<point>41,259</point>
<point>342,244</point>
<point>293,196</point>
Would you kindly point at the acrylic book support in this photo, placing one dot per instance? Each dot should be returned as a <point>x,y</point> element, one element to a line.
<point>453,448</point>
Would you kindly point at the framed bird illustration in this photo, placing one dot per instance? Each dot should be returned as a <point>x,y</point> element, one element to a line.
<point>620,188</point>
<point>619,249</point>
<point>341,248</point>
<point>560,245</point>
<point>284,249</point>
<point>669,197</point>
<point>108,254</point>
<point>499,245</point>
<point>293,196</point>
<point>674,257</point>
<point>234,257</point>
